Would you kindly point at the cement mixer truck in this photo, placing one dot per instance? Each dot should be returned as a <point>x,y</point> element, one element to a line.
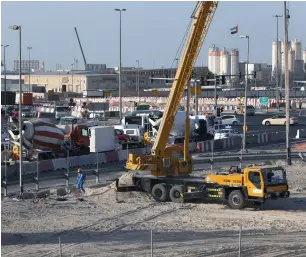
<point>52,141</point>
<point>201,127</point>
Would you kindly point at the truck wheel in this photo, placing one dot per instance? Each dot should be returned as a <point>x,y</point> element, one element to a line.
<point>160,192</point>
<point>236,200</point>
<point>175,193</point>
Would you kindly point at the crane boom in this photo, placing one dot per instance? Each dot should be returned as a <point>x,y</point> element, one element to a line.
<point>202,18</point>
<point>80,46</point>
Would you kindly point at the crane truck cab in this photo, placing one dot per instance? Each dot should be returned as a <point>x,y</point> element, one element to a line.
<point>252,185</point>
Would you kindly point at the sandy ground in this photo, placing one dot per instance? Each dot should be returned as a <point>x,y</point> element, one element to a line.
<point>100,226</point>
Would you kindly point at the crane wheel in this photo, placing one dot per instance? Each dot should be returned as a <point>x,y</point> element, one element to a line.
<point>236,200</point>
<point>160,192</point>
<point>175,193</point>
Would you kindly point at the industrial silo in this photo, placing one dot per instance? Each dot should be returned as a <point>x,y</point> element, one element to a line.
<point>291,60</point>
<point>274,56</point>
<point>234,54</point>
<point>297,47</point>
<point>225,62</point>
<point>214,60</point>
<point>283,55</point>
<point>304,56</point>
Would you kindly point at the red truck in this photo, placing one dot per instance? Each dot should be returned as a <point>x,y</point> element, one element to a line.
<point>121,137</point>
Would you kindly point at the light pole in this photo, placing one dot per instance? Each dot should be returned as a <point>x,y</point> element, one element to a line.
<point>245,95</point>
<point>29,48</point>
<point>4,66</point>
<point>72,77</point>
<point>137,83</point>
<point>277,61</point>
<point>18,27</point>
<point>287,16</point>
<point>120,98</point>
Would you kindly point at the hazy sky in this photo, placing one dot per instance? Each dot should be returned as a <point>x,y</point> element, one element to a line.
<point>151,31</point>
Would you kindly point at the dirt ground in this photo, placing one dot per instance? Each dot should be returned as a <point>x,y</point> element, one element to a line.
<point>100,226</point>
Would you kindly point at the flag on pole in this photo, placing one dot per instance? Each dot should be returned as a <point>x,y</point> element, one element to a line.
<point>234,30</point>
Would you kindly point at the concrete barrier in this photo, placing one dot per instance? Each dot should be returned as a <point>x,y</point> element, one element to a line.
<point>59,164</point>
<point>46,165</point>
<point>300,133</point>
<point>111,157</point>
<point>29,168</point>
<point>74,162</point>
<point>102,158</point>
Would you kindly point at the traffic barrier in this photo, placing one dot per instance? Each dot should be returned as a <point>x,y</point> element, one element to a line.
<point>263,138</point>
<point>276,136</point>
<point>252,139</point>
<point>29,168</point>
<point>87,160</point>
<point>74,162</point>
<point>111,156</point>
<point>300,133</point>
<point>46,165</point>
<point>59,164</point>
<point>102,158</point>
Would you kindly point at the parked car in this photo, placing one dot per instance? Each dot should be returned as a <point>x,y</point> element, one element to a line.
<point>221,126</point>
<point>121,136</point>
<point>229,120</point>
<point>279,120</point>
<point>225,133</point>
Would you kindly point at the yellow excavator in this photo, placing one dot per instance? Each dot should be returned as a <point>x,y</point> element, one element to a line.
<point>166,173</point>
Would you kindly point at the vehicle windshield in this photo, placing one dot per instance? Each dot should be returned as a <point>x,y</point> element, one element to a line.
<point>274,176</point>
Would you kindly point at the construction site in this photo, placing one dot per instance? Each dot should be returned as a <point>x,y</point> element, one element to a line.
<point>105,225</point>
<point>157,198</point>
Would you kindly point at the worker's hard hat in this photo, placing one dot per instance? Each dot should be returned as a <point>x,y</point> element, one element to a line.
<point>79,170</point>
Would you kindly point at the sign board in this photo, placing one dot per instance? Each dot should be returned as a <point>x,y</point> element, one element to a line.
<point>264,100</point>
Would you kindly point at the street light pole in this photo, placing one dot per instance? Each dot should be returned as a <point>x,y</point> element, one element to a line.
<point>287,16</point>
<point>15,27</point>
<point>137,83</point>
<point>29,48</point>
<point>120,97</point>
<point>4,65</point>
<point>245,94</point>
<point>277,62</point>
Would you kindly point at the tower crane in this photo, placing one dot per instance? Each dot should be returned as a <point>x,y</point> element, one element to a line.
<point>162,162</point>
<point>76,32</point>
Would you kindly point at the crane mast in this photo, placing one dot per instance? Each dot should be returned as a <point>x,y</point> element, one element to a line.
<point>80,46</point>
<point>202,18</point>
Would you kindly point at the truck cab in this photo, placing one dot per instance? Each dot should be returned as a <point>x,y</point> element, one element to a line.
<point>253,185</point>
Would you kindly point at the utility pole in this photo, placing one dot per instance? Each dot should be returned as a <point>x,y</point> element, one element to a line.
<point>72,77</point>
<point>287,16</point>
<point>120,66</point>
<point>29,48</point>
<point>137,79</point>
<point>245,94</point>
<point>216,100</point>
<point>277,62</point>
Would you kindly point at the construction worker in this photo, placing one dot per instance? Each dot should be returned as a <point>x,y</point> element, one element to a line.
<point>80,180</point>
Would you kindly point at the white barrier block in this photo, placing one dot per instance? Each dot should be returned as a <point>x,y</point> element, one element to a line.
<point>300,133</point>
<point>60,163</point>
<point>102,158</point>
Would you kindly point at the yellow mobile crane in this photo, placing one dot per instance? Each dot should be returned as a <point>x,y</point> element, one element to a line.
<point>166,174</point>
<point>163,161</point>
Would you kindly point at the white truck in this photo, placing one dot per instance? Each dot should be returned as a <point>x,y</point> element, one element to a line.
<point>102,139</point>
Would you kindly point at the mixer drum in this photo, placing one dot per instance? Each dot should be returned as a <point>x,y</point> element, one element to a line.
<point>43,135</point>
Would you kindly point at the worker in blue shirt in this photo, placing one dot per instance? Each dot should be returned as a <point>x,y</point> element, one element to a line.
<point>80,180</point>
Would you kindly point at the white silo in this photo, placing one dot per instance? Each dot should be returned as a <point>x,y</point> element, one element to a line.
<point>291,60</point>
<point>225,62</point>
<point>283,55</point>
<point>274,56</point>
<point>214,60</point>
<point>234,54</point>
<point>304,56</point>
<point>296,46</point>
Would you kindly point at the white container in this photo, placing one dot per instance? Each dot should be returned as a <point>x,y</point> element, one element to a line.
<point>102,139</point>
